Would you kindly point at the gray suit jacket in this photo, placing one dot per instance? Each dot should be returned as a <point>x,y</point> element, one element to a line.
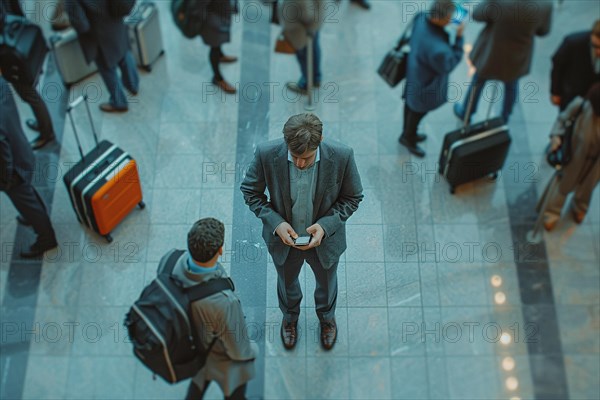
<point>504,48</point>
<point>338,193</point>
<point>10,127</point>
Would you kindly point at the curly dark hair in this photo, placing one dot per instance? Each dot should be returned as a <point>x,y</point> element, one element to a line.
<point>206,238</point>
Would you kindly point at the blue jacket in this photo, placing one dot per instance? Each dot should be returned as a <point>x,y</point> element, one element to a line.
<point>431,60</point>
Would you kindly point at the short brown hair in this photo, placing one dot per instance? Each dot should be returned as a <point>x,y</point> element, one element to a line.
<point>596,29</point>
<point>205,239</point>
<point>302,133</point>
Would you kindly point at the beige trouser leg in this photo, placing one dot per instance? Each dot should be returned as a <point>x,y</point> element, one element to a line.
<point>584,190</point>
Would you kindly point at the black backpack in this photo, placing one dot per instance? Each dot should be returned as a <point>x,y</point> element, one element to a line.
<point>164,337</point>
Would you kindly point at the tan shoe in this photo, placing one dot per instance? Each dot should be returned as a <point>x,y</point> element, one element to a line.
<point>224,86</point>
<point>578,216</point>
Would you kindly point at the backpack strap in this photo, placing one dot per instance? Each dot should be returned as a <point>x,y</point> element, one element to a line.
<point>209,288</point>
<point>169,265</point>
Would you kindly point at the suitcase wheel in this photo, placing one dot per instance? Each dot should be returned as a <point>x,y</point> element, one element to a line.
<point>141,205</point>
<point>108,238</point>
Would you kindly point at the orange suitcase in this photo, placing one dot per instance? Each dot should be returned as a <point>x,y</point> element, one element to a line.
<point>105,185</point>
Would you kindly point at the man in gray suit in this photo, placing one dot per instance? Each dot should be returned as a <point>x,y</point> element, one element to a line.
<point>104,39</point>
<point>504,49</point>
<point>16,175</point>
<point>314,187</point>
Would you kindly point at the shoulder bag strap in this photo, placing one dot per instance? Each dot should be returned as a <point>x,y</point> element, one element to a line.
<point>171,262</point>
<point>405,35</point>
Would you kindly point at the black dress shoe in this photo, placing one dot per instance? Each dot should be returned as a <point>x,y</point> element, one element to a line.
<point>107,107</point>
<point>40,142</point>
<point>289,334</point>
<point>23,221</point>
<point>328,334</point>
<point>364,4</point>
<point>32,124</point>
<point>421,137</point>
<point>412,147</point>
<point>38,248</point>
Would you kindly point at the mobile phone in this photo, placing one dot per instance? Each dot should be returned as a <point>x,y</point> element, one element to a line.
<point>459,15</point>
<point>302,240</point>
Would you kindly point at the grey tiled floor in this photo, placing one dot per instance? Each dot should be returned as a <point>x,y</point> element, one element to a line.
<point>419,310</point>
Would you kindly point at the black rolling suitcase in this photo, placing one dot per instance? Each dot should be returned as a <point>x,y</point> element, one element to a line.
<point>104,187</point>
<point>474,151</point>
<point>23,50</point>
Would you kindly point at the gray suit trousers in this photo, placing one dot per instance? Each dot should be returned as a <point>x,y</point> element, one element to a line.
<point>289,291</point>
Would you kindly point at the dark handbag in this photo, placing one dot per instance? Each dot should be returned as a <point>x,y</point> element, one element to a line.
<point>23,50</point>
<point>282,45</point>
<point>393,67</point>
<point>562,156</point>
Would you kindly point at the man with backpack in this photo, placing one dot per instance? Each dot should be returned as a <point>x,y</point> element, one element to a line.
<point>218,337</point>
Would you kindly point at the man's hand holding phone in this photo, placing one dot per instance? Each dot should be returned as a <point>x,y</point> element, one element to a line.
<point>286,233</point>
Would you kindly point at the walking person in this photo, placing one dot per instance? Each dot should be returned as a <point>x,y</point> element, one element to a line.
<point>16,176</point>
<point>582,174</point>
<point>504,49</point>
<point>301,20</point>
<point>432,57</point>
<point>104,40</point>
<point>314,187</point>
<point>219,319</point>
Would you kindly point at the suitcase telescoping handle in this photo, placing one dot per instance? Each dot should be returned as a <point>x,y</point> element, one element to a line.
<point>70,107</point>
<point>467,118</point>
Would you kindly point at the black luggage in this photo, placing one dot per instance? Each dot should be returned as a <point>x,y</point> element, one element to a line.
<point>23,50</point>
<point>163,335</point>
<point>474,151</point>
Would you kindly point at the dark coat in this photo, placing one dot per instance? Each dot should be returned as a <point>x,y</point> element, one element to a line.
<point>216,28</point>
<point>99,33</point>
<point>504,48</point>
<point>10,127</point>
<point>430,62</point>
<point>338,193</point>
<point>572,70</point>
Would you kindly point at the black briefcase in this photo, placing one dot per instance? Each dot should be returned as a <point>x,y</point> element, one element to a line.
<point>393,67</point>
<point>474,151</point>
<point>23,50</point>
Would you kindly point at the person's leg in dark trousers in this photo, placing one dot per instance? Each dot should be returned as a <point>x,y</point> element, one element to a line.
<point>326,289</point>
<point>302,56</point>
<point>289,291</point>
<point>511,91</point>
<point>238,394</point>
<point>129,74</point>
<point>111,79</point>
<point>30,96</point>
<point>477,85</point>
<point>412,119</point>
<point>194,392</point>
<point>214,56</point>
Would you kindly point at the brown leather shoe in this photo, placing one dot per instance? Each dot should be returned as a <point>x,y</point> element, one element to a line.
<point>328,334</point>
<point>107,107</point>
<point>578,216</point>
<point>228,59</point>
<point>549,225</point>
<point>40,142</point>
<point>224,86</point>
<point>289,334</point>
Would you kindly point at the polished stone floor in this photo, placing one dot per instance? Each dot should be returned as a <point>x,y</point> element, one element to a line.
<point>440,295</point>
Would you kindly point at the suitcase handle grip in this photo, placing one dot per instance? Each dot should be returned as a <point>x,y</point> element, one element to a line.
<point>70,107</point>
